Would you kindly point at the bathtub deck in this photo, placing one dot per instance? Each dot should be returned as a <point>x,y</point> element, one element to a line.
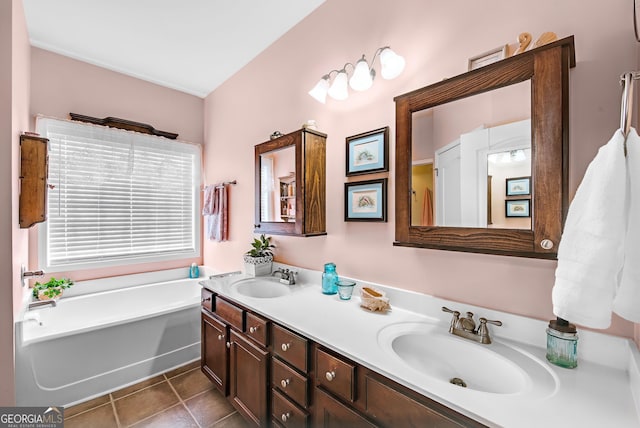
<point>179,398</point>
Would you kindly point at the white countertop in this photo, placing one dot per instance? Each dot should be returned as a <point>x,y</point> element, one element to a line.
<point>600,392</point>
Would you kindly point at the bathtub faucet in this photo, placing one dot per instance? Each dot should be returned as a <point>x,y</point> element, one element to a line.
<point>25,275</point>
<point>39,303</point>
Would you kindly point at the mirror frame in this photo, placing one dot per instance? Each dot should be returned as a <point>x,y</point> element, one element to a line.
<point>279,228</point>
<point>548,69</point>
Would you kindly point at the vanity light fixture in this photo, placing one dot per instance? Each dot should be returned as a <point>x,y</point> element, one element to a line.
<point>391,65</point>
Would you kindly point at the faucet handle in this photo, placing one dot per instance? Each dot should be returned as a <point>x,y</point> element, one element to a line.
<point>483,331</point>
<point>445,309</point>
<point>454,320</point>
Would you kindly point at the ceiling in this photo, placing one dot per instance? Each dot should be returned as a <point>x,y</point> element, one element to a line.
<point>189,45</point>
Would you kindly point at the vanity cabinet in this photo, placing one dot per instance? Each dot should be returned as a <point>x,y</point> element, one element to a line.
<point>277,377</point>
<point>290,184</point>
<point>234,359</point>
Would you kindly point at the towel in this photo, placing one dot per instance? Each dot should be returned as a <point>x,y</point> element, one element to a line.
<point>427,208</point>
<point>591,251</point>
<point>627,300</point>
<point>216,212</point>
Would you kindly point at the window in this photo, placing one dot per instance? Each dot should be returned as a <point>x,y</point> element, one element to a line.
<point>117,197</point>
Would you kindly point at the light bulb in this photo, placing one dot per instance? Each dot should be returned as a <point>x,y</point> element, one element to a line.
<point>392,64</point>
<point>338,89</point>
<point>319,92</point>
<point>361,79</point>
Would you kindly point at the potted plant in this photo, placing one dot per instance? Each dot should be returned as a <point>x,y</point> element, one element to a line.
<point>259,259</point>
<point>51,289</point>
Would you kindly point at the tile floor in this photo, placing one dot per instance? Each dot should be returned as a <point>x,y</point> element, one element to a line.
<point>179,398</point>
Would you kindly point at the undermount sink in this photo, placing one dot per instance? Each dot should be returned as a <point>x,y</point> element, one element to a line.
<point>261,287</point>
<point>431,353</point>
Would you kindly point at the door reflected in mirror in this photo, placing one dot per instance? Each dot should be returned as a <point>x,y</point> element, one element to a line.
<point>464,153</point>
<point>278,185</point>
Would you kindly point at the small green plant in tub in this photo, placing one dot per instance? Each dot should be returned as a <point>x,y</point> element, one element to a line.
<point>51,289</point>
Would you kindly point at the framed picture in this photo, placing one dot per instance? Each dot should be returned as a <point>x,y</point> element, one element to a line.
<point>368,152</point>
<point>488,57</point>
<point>518,186</point>
<point>366,200</point>
<point>518,208</point>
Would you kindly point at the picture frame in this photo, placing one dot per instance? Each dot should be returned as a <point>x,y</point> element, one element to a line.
<point>368,152</point>
<point>366,200</point>
<point>489,57</point>
<point>518,186</point>
<point>517,208</point>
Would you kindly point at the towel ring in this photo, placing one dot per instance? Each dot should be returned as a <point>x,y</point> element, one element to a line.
<point>626,107</point>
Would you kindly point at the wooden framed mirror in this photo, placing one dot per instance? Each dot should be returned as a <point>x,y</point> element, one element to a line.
<point>455,125</point>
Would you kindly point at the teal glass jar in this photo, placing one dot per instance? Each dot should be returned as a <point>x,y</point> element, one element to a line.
<point>330,279</point>
<point>562,344</point>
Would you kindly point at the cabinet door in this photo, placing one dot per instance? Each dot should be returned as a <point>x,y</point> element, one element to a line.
<point>330,413</point>
<point>214,360</point>
<point>248,380</point>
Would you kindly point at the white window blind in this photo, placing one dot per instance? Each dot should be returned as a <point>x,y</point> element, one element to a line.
<point>119,197</point>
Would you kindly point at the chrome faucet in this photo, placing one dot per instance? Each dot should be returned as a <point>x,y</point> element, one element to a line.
<point>466,327</point>
<point>39,303</point>
<point>286,276</point>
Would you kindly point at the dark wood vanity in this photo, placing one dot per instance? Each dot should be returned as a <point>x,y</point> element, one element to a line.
<point>278,377</point>
<point>546,70</point>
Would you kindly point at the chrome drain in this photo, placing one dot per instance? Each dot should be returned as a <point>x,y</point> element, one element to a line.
<point>458,381</point>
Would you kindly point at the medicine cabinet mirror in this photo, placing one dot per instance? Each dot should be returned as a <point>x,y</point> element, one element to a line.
<point>481,158</point>
<point>290,184</point>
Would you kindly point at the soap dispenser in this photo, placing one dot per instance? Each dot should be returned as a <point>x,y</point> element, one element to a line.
<point>562,343</point>
<point>194,272</point>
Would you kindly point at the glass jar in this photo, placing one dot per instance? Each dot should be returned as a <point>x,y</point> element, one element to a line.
<point>330,279</point>
<point>562,344</point>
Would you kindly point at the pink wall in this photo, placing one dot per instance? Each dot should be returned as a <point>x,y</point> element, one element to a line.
<point>60,85</point>
<point>14,118</point>
<point>436,39</point>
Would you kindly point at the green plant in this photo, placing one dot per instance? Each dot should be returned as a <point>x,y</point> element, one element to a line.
<point>261,247</point>
<point>52,288</point>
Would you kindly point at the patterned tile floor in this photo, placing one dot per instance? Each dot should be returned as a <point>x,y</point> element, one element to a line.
<point>183,397</point>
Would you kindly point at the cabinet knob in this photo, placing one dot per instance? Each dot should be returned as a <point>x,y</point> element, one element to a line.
<point>253,329</point>
<point>284,383</point>
<point>285,347</point>
<point>330,375</point>
<point>228,345</point>
<point>285,416</point>
<point>546,244</point>
<point>220,336</point>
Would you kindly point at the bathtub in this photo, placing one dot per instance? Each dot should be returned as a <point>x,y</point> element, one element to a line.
<point>91,344</point>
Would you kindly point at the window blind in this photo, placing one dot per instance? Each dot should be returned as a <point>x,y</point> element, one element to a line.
<point>118,197</point>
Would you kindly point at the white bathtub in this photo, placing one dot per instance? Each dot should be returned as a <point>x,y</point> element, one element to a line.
<point>91,344</point>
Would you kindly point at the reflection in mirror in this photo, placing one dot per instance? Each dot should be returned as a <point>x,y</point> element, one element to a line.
<point>277,185</point>
<point>463,153</point>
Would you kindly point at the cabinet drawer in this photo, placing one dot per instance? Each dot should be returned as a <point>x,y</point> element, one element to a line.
<point>290,347</point>
<point>290,382</point>
<point>286,412</point>
<point>229,312</point>
<point>258,329</point>
<point>336,375</point>
<point>207,299</point>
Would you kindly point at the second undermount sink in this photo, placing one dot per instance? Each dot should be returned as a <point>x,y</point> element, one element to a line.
<point>433,354</point>
<point>261,287</point>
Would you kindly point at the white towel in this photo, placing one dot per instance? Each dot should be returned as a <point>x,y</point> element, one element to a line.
<point>627,300</point>
<point>591,251</point>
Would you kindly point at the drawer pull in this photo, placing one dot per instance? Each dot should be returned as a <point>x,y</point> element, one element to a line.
<point>330,375</point>
<point>208,299</point>
<point>284,382</point>
<point>285,347</point>
<point>285,417</point>
<point>228,345</point>
<point>253,329</point>
<point>221,337</point>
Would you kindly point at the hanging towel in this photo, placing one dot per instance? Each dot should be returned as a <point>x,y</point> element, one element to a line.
<point>591,251</point>
<point>427,208</point>
<point>627,300</point>
<point>216,212</point>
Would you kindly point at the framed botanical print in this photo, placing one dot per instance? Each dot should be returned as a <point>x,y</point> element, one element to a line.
<point>368,152</point>
<point>366,200</point>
